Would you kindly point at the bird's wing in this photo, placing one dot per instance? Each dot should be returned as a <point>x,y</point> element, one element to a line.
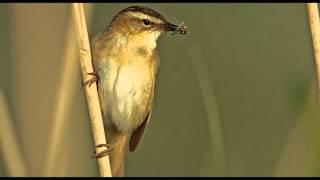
<point>138,133</point>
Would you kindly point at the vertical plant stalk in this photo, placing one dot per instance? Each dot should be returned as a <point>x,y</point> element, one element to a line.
<point>211,108</point>
<point>313,14</point>
<point>63,101</point>
<point>91,92</point>
<point>11,150</point>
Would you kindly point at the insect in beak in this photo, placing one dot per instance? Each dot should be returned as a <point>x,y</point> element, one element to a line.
<point>180,29</point>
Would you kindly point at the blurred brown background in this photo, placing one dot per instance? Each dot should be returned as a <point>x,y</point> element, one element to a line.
<point>235,97</point>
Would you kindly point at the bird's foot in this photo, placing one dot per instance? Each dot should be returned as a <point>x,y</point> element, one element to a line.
<point>103,153</point>
<point>92,80</point>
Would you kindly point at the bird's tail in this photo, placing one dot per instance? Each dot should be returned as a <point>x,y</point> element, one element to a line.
<point>119,143</point>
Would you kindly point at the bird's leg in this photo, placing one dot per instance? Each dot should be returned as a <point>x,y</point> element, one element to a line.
<point>92,80</point>
<point>104,152</point>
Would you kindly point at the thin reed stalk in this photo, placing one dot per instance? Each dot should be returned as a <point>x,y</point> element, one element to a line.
<point>315,33</point>
<point>91,92</point>
<point>63,100</point>
<point>11,150</point>
<point>212,111</point>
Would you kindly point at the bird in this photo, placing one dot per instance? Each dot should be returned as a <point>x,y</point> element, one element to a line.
<point>125,62</point>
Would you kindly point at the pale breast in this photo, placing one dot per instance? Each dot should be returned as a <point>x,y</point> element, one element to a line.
<point>127,77</point>
<point>131,92</point>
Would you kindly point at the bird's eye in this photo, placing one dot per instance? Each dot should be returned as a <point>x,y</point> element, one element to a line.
<point>146,22</point>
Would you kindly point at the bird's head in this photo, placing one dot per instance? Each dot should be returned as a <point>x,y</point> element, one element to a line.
<point>141,20</point>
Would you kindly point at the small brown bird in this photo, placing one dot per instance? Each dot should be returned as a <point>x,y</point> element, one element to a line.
<point>125,61</point>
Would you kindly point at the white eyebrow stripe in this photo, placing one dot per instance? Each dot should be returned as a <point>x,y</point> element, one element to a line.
<point>140,15</point>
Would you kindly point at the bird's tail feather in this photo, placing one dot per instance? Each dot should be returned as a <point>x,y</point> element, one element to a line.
<point>119,143</point>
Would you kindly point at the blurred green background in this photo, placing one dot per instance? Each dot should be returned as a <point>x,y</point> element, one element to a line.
<point>237,96</point>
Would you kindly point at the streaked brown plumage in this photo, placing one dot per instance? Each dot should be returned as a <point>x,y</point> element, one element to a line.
<point>126,61</point>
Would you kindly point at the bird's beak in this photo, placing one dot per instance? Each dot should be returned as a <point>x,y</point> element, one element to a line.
<point>181,29</point>
<point>171,27</point>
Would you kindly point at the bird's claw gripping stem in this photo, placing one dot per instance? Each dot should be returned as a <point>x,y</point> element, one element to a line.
<point>104,152</point>
<point>92,80</point>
